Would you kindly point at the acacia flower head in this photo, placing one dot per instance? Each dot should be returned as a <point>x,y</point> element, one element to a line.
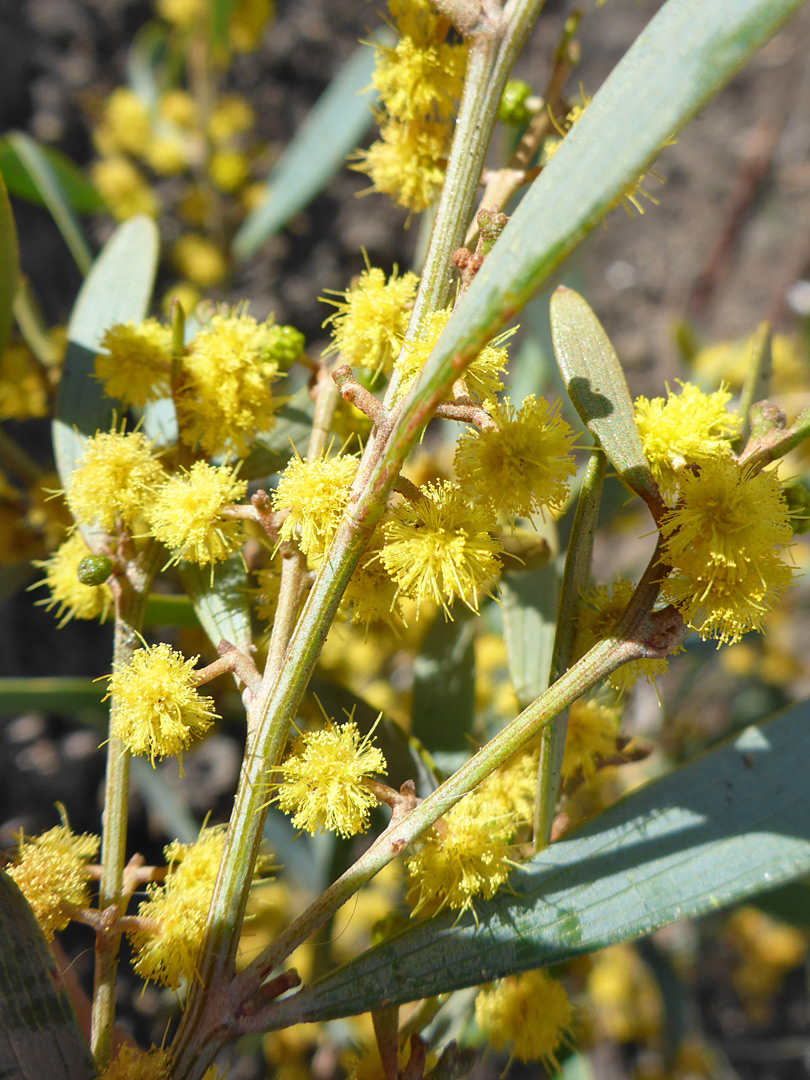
<point>441,546</point>
<point>186,514</point>
<point>590,737</point>
<point>601,607</point>
<point>726,541</point>
<point>371,592</point>
<point>407,162</point>
<point>524,465</point>
<point>227,396</point>
<point>116,478</point>
<point>419,80</point>
<point>136,363</point>
<point>370,323</point>
<point>687,428</point>
<point>158,710</point>
<point>482,376</point>
<point>529,1011</point>
<point>321,781</point>
<point>176,911</point>
<point>132,1063</point>
<point>315,493</point>
<point>69,596</point>
<point>50,871</point>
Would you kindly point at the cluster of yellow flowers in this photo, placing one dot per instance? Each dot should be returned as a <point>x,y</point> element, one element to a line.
<point>419,80</point>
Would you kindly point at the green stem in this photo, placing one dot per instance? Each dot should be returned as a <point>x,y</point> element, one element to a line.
<point>131,594</point>
<point>576,576</point>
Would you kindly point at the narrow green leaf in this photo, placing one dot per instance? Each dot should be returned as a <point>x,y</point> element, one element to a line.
<point>9,265</point>
<point>39,1036</point>
<point>220,600</point>
<point>443,704</point>
<point>81,196</point>
<point>49,185</point>
<point>598,390</point>
<point>63,694</point>
<point>715,832</point>
<point>529,610</point>
<point>146,63</point>
<point>164,609</point>
<point>118,288</point>
<point>689,50</point>
<point>317,151</point>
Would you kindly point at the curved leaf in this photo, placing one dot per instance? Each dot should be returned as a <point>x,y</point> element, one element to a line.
<point>596,385</point>
<point>9,265</point>
<point>118,288</point>
<point>331,130</point>
<point>220,600</point>
<point>79,192</point>
<point>528,610</point>
<point>443,706</point>
<point>715,832</point>
<point>39,1035</point>
<point>47,182</point>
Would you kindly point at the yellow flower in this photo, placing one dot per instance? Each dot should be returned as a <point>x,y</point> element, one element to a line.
<point>370,323</point>
<point>482,377</point>
<point>125,124</point>
<point>322,780</point>
<point>229,169</point>
<point>72,599</point>
<point>524,465</point>
<point>232,115</point>
<point>315,493</point>
<point>157,710</point>
<point>50,871</point>
<point>22,387</point>
<point>441,547</point>
<point>166,155</point>
<point>178,910</point>
<point>601,607</point>
<point>131,1063</point>
<point>407,162</point>
<point>123,188</point>
<point>371,592</point>
<point>116,478</point>
<point>726,540</point>
<point>183,13</point>
<point>227,397</point>
<point>417,82</point>
<point>687,429</point>
<point>531,1011</point>
<point>590,737</point>
<point>199,259</point>
<point>177,107</point>
<point>416,19</point>
<point>247,21</point>
<point>136,363</point>
<point>187,514</point>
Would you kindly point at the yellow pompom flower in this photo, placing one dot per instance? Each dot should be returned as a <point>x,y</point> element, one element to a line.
<point>50,871</point>
<point>321,781</point>
<point>187,514</point>
<point>23,391</point>
<point>247,20</point>
<point>726,540</point>
<point>601,607</point>
<point>590,737</point>
<point>687,428</point>
<point>124,125</point>
<point>135,365</point>
<point>157,710</point>
<point>199,259</point>
<point>182,13</point>
<point>227,396</point>
<point>482,376</point>
<point>416,19</point>
<point>416,82</point>
<point>463,858</point>
<point>69,596</point>
<point>229,169</point>
<point>370,323</point>
<point>441,546</point>
<point>232,115</point>
<point>407,162</point>
<point>167,155</point>
<point>178,909</point>
<point>123,188</point>
<point>117,477</point>
<point>529,1011</point>
<point>265,595</point>
<point>177,107</point>
<point>371,593</point>
<point>131,1063</point>
<point>524,465</point>
<point>315,493</point>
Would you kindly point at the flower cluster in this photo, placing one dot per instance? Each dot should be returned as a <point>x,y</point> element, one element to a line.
<point>530,1011</point>
<point>370,322</point>
<point>419,80</point>
<point>50,871</point>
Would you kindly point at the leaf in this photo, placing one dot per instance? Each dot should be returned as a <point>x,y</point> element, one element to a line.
<point>688,51</point>
<point>220,600</point>
<point>39,1036</point>
<point>117,289</point>
<point>596,385</point>
<point>80,194</point>
<point>317,151</point>
<point>529,613</point>
<point>443,707</point>
<point>9,265</point>
<point>712,833</point>
<point>49,185</point>
<point>63,694</point>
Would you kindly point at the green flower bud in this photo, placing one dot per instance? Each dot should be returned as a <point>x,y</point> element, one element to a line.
<point>94,569</point>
